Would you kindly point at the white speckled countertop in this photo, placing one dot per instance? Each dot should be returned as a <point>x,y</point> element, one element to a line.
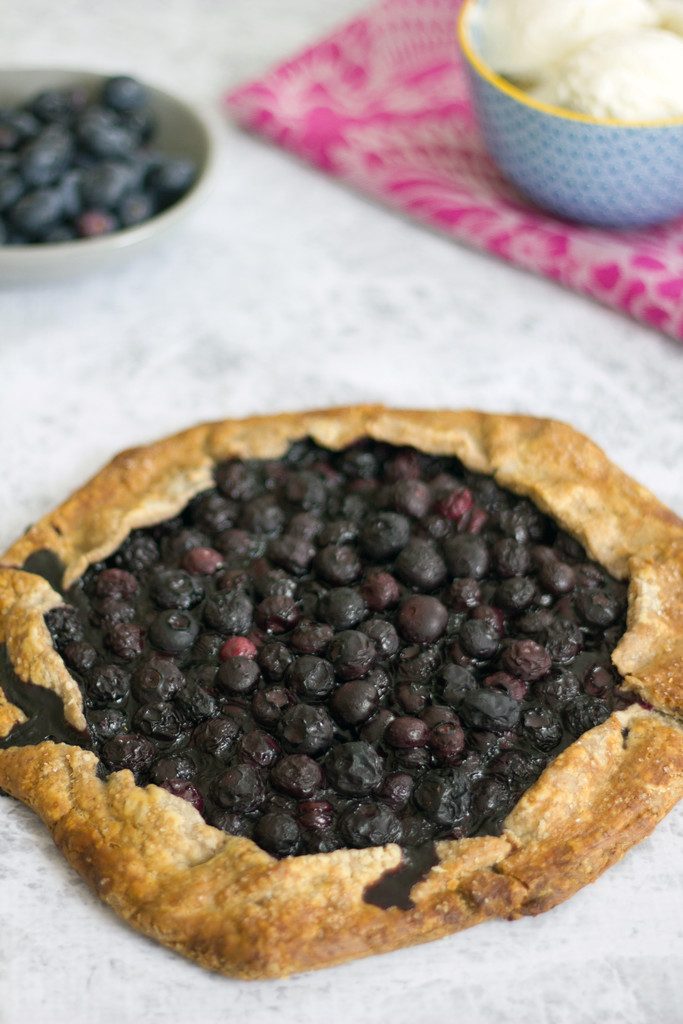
<point>286,291</point>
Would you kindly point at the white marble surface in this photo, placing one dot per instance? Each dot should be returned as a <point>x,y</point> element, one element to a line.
<point>286,291</point>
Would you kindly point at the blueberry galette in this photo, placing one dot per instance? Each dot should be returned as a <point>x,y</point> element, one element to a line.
<point>297,689</point>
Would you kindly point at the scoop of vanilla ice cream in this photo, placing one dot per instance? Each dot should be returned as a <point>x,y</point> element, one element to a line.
<point>524,39</point>
<point>628,76</point>
<point>669,14</point>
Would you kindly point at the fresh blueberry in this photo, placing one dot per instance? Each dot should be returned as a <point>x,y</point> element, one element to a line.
<point>172,179</point>
<point>124,94</point>
<point>36,212</point>
<point>11,189</point>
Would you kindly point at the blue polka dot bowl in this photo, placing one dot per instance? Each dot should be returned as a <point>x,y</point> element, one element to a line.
<point>596,171</point>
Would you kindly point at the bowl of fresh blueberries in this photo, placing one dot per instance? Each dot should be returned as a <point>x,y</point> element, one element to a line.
<point>92,166</point>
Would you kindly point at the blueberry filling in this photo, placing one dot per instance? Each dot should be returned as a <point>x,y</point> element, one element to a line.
<point>344,649</point>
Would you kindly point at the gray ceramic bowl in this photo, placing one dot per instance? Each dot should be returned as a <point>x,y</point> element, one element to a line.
<point>182,132</point>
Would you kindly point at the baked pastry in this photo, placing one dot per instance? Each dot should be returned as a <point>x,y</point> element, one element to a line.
<point>301,688</point>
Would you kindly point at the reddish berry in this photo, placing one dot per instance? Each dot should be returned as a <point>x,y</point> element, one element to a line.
<point>237,647</point>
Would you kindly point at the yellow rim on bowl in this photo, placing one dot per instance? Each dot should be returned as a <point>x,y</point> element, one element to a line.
<point>504,86</point>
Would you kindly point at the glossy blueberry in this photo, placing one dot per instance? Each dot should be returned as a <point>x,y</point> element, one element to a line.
<point>384,535</point>
<point>422,619</point>
<point>305,729</point>
<point>128,750</point>
<point>108,684</point>
<point>156,678</point>
<point>175,588</point>
<point>238,676</point>
<point>259,748</point>
<point>291,553</point>
<point>311,637</point>
<point>126,640</point>
<point>406,732</point>
<point>229,613</point>
<point>489,709</point>
<point>380,591</point>
<point>370,824</point>
<point>161,721</point>
<point>277,834</point>
<point>297,775</point>
<point>444,797</point>
<point>173,631</point>
<point>355,702</point>
<point>106,723</point>
<point>311,678</point>
<point>338,564</point>
<point>216,737</point>
<point>352,654</point>
<point>383,636</point>
<point>526,659</point>
<point>467,557</point>
<point>343,608</point>
<point>354,768</point>
<point>479,639</point>
<point>421,566</point>
<point>239,789</point>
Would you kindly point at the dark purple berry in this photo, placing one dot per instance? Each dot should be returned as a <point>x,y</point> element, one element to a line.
<point>238,676</point>
<point>406,732</point>
<point>526,659</point>
<point>352,654</point>
<point>305,729</point>
<point>380,591</point>
<point>173,631</point>
<point>161,721</point>
<point>444,797</point>
<point>229,613</point>
<point>317,815</point>
<point>446,742</point>
<point>370,824</point>
<point>338,564</point>
<point>216,737</point>
<point>277,834</point>
<point>157,678</point>
<point>108,684</point>
<point>355,702</point>
<point>258,748</point>
<point>467,557</point>
<point>128,750</point>
<point>311,678</point>
<point>383,636</point>
<point>239,789</point>
<point>298,775</point>
<point>186,791</point>
<point>422,619</point>
<point>490,709</point>
<point>126,640</point>
<point>420,565</point>
<point>278,614</point>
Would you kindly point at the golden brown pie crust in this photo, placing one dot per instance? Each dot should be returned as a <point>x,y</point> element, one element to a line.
<point>226,903</point>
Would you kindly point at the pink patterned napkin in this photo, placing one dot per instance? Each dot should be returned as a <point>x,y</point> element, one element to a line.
<point>383,104</point>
